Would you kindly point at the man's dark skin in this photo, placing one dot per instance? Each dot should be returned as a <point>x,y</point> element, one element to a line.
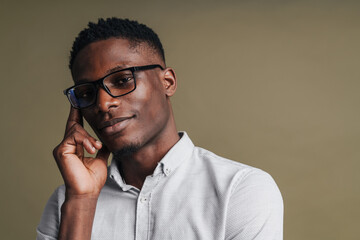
<point>141,120</point>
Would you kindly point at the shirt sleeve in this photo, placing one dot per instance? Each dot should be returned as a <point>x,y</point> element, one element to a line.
<point>48,227</point>
<point>255,209</point>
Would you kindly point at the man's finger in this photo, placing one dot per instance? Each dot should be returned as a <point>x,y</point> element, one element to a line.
<point>103,153</point>
<point>79,151</point>
<point>75,117</point>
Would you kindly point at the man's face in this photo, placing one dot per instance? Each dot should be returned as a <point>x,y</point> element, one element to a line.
<point>133,120</point>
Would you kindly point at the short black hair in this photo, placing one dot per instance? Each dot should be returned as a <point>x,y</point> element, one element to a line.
<point>107,28</point>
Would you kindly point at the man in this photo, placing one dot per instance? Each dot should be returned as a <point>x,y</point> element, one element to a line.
<point>159,185</point>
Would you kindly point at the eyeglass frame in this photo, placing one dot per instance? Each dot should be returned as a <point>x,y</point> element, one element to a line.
<point>100,82</point>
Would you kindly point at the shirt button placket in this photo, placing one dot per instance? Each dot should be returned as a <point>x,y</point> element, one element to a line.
<point>142,221</point>
<point>143,209</point>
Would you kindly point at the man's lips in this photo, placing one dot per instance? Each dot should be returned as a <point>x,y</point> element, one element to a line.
<point>113,125</point>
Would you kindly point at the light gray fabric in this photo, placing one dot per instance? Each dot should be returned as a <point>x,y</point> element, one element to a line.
<point>192,194</point>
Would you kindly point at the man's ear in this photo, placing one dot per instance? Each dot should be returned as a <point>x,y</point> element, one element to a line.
<point>169,82</point>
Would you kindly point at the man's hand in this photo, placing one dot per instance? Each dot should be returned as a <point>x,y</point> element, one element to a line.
<point>84,177</point>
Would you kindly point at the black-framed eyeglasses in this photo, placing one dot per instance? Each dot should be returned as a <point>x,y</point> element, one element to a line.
<point>116,84</point>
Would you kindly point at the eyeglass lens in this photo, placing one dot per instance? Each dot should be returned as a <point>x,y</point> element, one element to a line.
<point>117,84</point>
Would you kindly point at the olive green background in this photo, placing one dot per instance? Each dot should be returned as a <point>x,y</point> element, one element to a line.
<point>272,84</point>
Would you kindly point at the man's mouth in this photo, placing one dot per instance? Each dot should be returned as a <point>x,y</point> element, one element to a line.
<point>114,125</point>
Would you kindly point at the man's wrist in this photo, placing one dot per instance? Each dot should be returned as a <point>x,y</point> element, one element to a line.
<point>79,202</point>
<point>77,216</point>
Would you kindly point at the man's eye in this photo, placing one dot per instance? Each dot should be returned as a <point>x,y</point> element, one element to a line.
<point>122,82</point>
<point>85,94</point>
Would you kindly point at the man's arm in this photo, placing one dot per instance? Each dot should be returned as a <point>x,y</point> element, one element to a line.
<point>84,178</point>
<point>255,209</point>
<point>48,228</point>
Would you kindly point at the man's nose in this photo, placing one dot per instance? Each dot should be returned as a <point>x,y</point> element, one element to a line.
<point>105,101</point>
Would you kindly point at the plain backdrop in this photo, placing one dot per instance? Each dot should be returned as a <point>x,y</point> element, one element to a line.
<point>272,84</point>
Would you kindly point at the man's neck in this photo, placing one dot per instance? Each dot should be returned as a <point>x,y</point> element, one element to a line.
<point>135,167</point>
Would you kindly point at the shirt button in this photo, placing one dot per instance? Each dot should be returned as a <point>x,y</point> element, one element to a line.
<point>167,171</point>
<point>143,199</point>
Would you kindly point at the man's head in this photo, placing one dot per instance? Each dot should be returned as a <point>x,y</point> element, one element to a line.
<point>133,31</point>
<point>141,117</point>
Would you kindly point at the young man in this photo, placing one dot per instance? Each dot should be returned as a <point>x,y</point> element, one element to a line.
<point>159,185</point>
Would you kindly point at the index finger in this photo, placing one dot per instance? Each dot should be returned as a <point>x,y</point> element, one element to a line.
<point>75,117</point>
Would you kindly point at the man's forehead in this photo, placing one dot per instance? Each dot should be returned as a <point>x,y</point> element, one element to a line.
<point>102,57</point>
<point>117,47</point>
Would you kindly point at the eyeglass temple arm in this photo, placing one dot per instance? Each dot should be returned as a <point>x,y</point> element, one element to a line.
<point>148,67</point>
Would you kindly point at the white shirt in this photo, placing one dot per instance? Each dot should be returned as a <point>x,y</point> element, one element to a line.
<point>193,194</point>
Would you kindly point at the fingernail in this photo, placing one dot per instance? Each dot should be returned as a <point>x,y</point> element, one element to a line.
<point>93,149</point>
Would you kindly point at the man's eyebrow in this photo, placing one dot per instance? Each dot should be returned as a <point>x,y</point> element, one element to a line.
<point>117,68</point>
<point>109,71</point>
<point>78,82</point>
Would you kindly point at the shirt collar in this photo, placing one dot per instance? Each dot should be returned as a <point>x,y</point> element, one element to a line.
<point>181,151</point>
<point>114,174</point>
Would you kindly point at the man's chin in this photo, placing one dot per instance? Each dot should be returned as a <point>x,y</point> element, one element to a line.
<point>116,143</point>
<point>121,145</point>
<point>125,151</point>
